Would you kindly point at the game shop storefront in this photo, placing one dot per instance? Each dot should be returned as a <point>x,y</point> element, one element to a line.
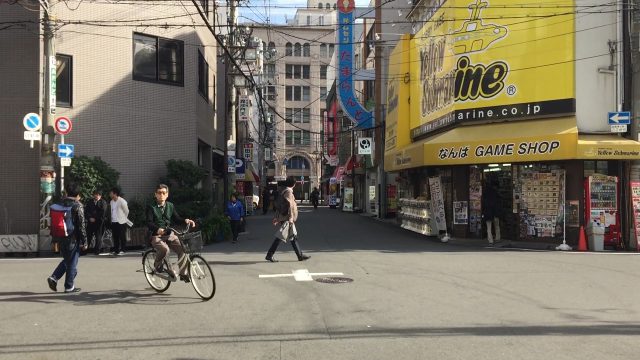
<point>550,180</point>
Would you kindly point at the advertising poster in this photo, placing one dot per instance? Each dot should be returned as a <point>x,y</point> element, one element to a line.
<point>348,199</point>
<point>635,199</point>
<point>460,212</point>
<point>573,213</point>
<point>392,199</point>
<point>437,203</point>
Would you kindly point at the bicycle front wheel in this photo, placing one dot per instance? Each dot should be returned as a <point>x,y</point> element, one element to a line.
<point>202,277</point>
<point>157,283</point>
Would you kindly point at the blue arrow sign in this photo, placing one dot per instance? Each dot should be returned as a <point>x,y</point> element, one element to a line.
<point>619,118</point>
<point>65,150</point>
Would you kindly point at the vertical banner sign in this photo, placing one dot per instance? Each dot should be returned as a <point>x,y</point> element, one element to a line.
<point>635,200</point>
<point>53,73</point>
<point>348,199</point>
<point>362,118</point>
<point>248,152</point>
<point>460,212</point>
<point>437,203</point>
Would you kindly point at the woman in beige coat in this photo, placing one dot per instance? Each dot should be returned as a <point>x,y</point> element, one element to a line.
<point>286,222</point>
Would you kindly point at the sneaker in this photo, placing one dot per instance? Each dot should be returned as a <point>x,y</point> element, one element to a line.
<point>120,253</point>
<point>304,257</point>
<point>185,278</point>
<point>73,290</point>
<point>53,283</point>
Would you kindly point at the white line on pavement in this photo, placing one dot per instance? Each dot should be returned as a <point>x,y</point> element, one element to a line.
<point>300,275</point>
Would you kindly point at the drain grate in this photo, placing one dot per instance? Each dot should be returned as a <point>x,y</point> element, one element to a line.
<point>334,280</point>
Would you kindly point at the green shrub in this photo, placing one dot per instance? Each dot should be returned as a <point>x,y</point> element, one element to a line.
<point>138,208</point>
<point>91,174</point>
<point>215,227</point>
<point>184,178</point>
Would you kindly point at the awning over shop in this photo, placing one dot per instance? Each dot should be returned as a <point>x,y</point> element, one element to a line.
<point>521,141</point>
<point>607,147</point>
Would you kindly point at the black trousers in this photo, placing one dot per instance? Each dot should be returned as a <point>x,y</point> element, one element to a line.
<point>276,243</point>
<point>119,233</point>
<point>235,228</point>
<point>95,229</point>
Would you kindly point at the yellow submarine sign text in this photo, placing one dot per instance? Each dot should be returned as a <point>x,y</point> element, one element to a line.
<point>492,61</point>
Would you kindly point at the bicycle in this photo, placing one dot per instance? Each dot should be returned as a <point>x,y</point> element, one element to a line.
<point>200,273</point>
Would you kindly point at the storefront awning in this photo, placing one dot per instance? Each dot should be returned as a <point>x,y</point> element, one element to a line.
<point>521,141</point>
<point>607,147</point>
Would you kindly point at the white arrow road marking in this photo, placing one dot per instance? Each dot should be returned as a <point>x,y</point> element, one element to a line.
<point>300,275</point>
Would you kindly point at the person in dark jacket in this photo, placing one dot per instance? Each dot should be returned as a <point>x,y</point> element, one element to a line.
<point>95,211</point>
<point>71,245</point>
<point>266,200</point>
<point>160,216</point>
<point>491,210</point>
<point>235,212</point>
<point>315,197</point>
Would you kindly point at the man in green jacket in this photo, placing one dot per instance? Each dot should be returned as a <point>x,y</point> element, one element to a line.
<point>160,216</point>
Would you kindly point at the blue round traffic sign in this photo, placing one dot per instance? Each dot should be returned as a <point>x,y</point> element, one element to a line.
<point>32,122</point>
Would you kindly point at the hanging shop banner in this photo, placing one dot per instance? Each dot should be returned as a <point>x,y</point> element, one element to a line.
<point>362,118</point>
<point>437,203</point>
<point>487,66</point>
<point>392,199</point>
<point>635,199</point>
<point>348,199</point>
<point>460,212</point>
<point>398,92</point>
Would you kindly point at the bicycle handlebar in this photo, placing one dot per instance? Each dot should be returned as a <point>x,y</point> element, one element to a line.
<point>180,232</point>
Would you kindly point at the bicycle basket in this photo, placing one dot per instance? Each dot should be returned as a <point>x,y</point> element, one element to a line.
<point>192,242</point>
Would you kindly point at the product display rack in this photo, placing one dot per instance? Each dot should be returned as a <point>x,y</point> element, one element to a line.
<point>416,216</point>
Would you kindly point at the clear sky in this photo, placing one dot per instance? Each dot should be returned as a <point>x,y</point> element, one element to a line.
<point>276,10</point>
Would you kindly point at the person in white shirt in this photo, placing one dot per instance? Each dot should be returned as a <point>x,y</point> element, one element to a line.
<point>119,214</point>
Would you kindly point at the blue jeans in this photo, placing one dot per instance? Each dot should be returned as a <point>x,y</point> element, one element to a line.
<point>70,251</point>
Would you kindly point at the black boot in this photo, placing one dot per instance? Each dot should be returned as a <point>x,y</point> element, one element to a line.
<point>296,248</point>
<point>272,250</point>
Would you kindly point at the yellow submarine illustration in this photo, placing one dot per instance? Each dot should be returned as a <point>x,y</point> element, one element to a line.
<point>475,36</point>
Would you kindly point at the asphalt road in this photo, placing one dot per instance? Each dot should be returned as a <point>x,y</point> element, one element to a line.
<point>411,298</point>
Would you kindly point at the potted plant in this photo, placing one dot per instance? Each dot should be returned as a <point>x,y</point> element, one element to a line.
<point>215,227</point>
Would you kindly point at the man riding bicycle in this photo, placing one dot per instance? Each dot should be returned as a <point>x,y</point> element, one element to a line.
<point>159,218</point>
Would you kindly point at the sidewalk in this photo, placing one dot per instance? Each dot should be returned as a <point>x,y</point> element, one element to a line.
<point>470,242</point>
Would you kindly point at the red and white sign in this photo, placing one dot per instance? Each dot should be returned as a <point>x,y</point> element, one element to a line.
<point>63,125</point>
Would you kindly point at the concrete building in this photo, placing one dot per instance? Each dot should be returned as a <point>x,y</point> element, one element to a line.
<point>137,81</point>
<point>296,87</point>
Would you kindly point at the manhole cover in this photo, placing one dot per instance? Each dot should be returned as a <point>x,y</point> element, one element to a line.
<point>334,280</point>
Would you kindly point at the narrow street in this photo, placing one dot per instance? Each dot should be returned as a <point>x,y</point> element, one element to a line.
<point>411,298</point>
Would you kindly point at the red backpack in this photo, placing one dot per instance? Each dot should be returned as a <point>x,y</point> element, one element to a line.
<point>61,221</point>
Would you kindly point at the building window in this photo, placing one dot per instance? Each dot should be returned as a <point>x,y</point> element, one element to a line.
<point>157,59</point>
<point>327,6</point>
<point>205,7</point>
<point>331,49</point>
<point>356,61</point>
<point>308,20</point>
<point>297,71</point>
<point>306,50</point>
<point>323,50</point>
<point>297,93</point>
<point>297,162</point>
<point>320,6</point>
<point>306,115</point>
<point>63,80</point>
<point>306,93</point>
<point>298,137</point>
<point>323,93</point>
<point>271,93</point>
<point>306,71</point>
<point>203,76</point>
<point>323,71</point>
<point>270,70</point>
<point>288,115</point>
<point>288,49</point>
<point>335,6</point>
<point>297,50</point>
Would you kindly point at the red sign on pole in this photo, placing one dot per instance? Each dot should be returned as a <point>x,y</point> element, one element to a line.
<point>63,125</point>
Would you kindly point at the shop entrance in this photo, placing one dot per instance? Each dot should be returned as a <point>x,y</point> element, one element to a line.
<point>501,177</point>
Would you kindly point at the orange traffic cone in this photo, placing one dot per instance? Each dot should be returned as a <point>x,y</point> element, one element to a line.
<point>582,240</point>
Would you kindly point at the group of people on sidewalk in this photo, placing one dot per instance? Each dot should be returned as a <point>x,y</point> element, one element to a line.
<point>89,221</point>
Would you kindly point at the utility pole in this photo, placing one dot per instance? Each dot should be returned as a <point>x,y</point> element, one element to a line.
<point>230,123</point>
<point>379,123</point>
<point>47,156</point>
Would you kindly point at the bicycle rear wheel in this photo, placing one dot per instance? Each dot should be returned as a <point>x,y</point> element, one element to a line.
<point>202,277</point>
<point>157,283</point>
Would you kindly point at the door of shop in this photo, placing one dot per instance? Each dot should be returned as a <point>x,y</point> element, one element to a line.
<point>501,176</point>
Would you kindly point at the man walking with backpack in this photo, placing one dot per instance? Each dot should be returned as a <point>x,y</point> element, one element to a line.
<point>286,216</point>
<point>68,229</point>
